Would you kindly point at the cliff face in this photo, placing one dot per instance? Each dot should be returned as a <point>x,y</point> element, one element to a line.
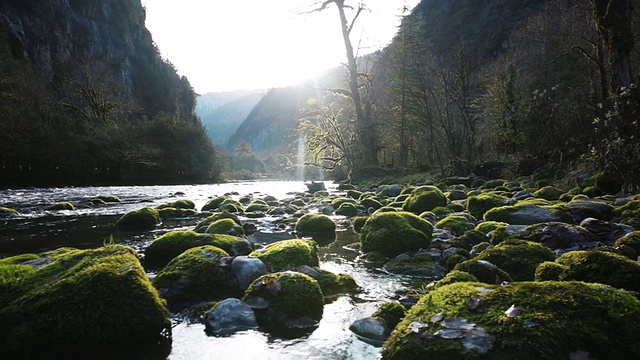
<point>100,39</point>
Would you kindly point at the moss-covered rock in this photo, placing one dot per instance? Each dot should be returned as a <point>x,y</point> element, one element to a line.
<point>369,203</point>
<point>391,313</point>
<point>61,206</point>
<point>529,320</point>
<point>486,227</point>
<point>528,214</point>
<point>457,224</point>
<point>288,254</point>
<point>601,267</point>
<point>141,219</point>
<point>79,302</point>
<point>170,245</point>
<point>286,300</point>
<point>231,206</point>
<point>608,182</point>
<point>631,240</point>
<point>347,209</point>
<point>468,240</point>
<point>342,200</point>
<point>196,275</point>
<point>358,223</point>
<point>479,204</point>
<point>225,226</point>
<point>214,203</point>
<point>548,193</point>
<point>582,208</point>
<point>202,226</point>
<point>178,204</point>
<point>109,198</point>
<point>174,213</point>
<point>549,271</point>
<point>629,213</point>
<point>421,265</point>
<point>424,198</point>
<point>560,236</point>
<point>257,205</point>
<point>315,225</point>
<point>518,258</point>
<point>484,271</point>
<point>454,276</point>
<point>393,233</point>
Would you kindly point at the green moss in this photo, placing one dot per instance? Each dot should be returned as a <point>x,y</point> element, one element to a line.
<point>458,224</point>
<point>484,271</point>
<point>518,258</point>
<point>440,211</point>
<point>601,267</point>
<point>170,245</point>
<point>214,203</point>
<point>173,213</point>
<point>18,259</point>
<point>608,182</point>
<point>83,302</point>
<point>486,227</point>
<point>479,204</point>
<point>358,223</point>
<point>421,264</point>
<point>393,233</point>
<point>370,203</point>
<point>334,284</point>
<point>8,211</point>
<point>456,207</point>
<point>549,271</point>
<point>179,204</point>
<point>424,198</point>
<point>527,213</point>
<point>225,226</point>
<point>391,313</point>
<point>454,276</point>
<point>559,318</point>
<point>257,205</point>
<point>341,200</point>
<point>61,206</point>
<point>315,225</point>
<point>196,275</point>
<point>354,194</point>
<point>290,296</point>
<point>141,219</point>
<point>629,212</point>
<point>548,193</point>
<point>288,254</point>
<point>108,198</point>
<point>468,240</point>
<point>231,205</point>
<point>592,191</point>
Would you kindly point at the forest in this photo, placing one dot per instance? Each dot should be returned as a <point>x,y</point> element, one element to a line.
<point>493,88</point>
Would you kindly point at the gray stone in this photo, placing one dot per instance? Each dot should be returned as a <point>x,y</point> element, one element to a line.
<point>246,269</point>
<point>230,315</point>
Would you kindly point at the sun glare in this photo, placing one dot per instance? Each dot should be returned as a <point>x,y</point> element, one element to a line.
<point>224,45</point>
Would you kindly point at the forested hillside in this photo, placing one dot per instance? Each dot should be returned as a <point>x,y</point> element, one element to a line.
<point>86,98</point>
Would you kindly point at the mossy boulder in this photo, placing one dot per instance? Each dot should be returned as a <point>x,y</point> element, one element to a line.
<point>141,219</point>
<point>631,240</point>
<point>196,275</point>
<point>79,302</point>
<point>393,233</point>
<point>214,203</point>
<point>175,213</point>
<point>286,300</point>
<point>484,271</point>
<point>457,224</point>
<point>560,236</point>
<point>549,271</point>
<point>202,226</point>
<point>548,193</point>
<point>518,258</point>
<point>232,206</point>
<point>629,213</point>
<point>608,182</point>
<point>454,276</point>
<point>288,254</point>
<point>424,198</point>
<point>225,226</point>
<point>257,205</point>
<point>479,204</point>
<point>61,206</point>
<point>108,198</point>
<point>420,264</point>
<point>582,208</point>
<point>347,209</point>
<point>178,204</point>
<point>170,245</point>
<point>601,267</point>
<point>342,200</point>
<point>369,203</point>
<point>376,328</point>
<point>468,240</point>
<point>528,214</point>
<point>315,225</point>
<point>528,320</point>
<point>486,227</point>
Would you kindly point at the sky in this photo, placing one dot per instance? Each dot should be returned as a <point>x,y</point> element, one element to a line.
<point>224,45</point>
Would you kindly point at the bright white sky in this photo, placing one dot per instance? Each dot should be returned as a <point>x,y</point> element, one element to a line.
<point>224,45</point>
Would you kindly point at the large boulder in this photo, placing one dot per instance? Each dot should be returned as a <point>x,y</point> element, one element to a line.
<point>316,225</point>
<point>168,246</point>
<point>142,219</point>
<point>77,303</point>
<point>479,204</point>
<point>393,233</point>
<point>528,320</point>
<point>518,258</point>
<point>225,226</point>
<point>424,198</point>
<point>202,226</point>
<point>199,274</point>
<point>528,214</point>
<point>288,254</point>
<point>286,300</point>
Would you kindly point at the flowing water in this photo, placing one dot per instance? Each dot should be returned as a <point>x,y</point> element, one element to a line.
<point>37,229</point>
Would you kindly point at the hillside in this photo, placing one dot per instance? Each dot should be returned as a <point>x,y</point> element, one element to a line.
<point>87,98</point>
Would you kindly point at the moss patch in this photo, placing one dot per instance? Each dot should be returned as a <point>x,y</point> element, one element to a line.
<point>518,258</point>
<point>424,198</point>
<point>457,224</point>
<point>393,233</point>
<point>479,204</point>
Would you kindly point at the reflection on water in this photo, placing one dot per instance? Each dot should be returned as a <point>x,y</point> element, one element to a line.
<point>37,229</point>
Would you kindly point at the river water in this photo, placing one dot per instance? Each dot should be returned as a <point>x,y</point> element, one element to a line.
<point>37,229</point>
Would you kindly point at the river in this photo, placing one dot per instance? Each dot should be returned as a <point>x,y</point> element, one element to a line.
<point>37,229</point>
